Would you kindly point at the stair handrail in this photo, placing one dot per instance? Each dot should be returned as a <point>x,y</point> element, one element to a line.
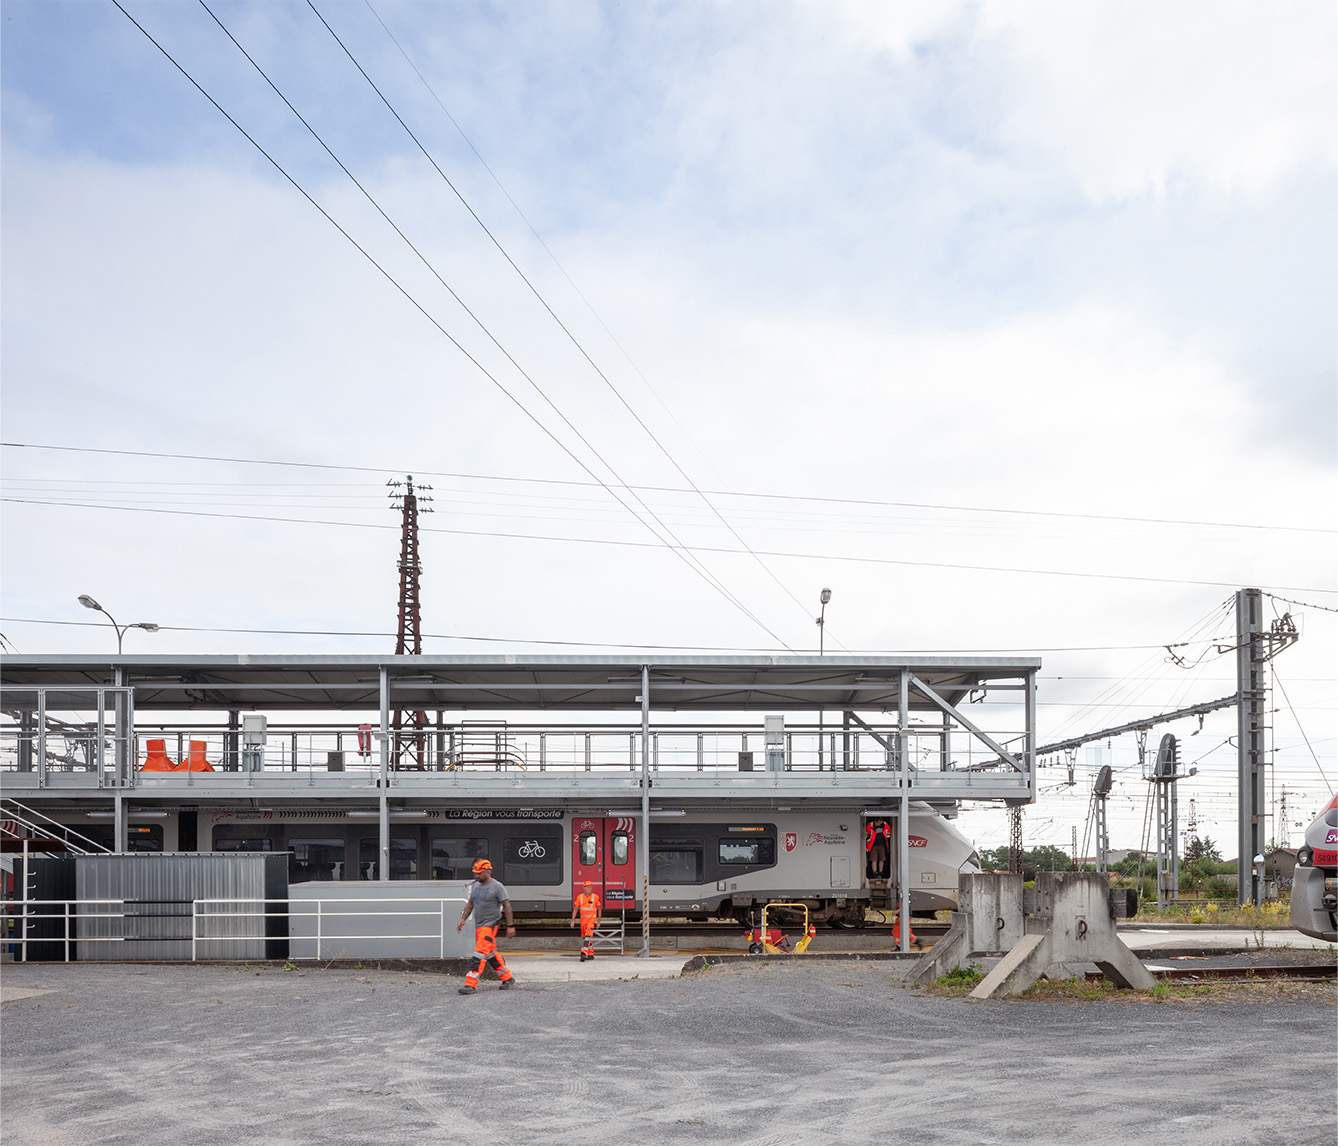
<point>8,811</point>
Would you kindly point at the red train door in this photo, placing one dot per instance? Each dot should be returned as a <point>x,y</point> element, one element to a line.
<point>604,852</point>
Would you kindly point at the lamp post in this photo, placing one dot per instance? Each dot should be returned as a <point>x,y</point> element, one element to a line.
<point>823,598</point>
<point>88,603</point>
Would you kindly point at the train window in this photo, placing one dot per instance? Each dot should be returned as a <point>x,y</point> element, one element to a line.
<point>534,858</point>
<point>144,837</point>
<point>587,849</point>
<point>619,848</point>
<point>754,851</point>
<point>453,856</point>
<point>403,858</point>
<point>138,837</point>
<point>315,860</point>
<point>676,861</point>
<point>259,845</point>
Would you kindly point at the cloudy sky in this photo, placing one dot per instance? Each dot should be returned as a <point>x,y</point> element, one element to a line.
<point>1011,323</point>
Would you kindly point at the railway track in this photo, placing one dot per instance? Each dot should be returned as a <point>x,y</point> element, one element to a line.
<point>709,930</point>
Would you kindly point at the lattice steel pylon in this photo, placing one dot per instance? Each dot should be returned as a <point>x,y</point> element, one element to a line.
<point>1015,839</point>
<point>409,746</point>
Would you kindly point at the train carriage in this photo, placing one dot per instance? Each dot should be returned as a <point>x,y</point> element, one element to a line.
<point>703,865</point>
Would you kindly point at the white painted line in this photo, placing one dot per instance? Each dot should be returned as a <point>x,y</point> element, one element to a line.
<point>10,994</point>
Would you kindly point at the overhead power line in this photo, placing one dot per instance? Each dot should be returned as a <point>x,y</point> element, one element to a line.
<point>678,550</point>
<point>785,497</point>
<point>626,405</point>
<point>649,545</point>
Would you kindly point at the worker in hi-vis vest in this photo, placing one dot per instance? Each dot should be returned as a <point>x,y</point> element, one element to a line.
<point>587,905</point>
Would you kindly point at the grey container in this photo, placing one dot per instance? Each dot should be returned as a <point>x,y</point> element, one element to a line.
<point>157,909</point>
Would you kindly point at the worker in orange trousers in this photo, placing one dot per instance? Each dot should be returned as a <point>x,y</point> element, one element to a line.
<point>588,906</point>
<point>489,902</point>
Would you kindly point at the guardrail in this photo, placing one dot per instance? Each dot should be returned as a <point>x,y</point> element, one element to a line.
<point>20,917</point>
<point>316,751</point>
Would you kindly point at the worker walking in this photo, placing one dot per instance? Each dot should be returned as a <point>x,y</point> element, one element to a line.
<point>489,902</point>
<point>588,906</point>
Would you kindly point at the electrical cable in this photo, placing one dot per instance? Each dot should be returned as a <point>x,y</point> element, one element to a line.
<point>597,644</point>
<point>646,545</point>
<point>1278,681</point>
<point>544,303</point>
<point>477,321</point>
<point>1303,604</point>
<point>382,470</point>
<point>422,310</point>
<point>538,237</point>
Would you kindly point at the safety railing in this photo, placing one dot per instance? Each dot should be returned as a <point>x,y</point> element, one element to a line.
<point>324,756</point>
<point>312,923</point>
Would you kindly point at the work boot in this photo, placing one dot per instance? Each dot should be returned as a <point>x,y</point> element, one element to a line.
<point>466,991</point>
<point>507,985</point>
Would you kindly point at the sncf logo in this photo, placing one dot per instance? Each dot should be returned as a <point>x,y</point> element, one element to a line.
<point>919,842</point>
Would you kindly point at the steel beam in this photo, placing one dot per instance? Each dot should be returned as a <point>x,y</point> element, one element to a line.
<point>984,737</point>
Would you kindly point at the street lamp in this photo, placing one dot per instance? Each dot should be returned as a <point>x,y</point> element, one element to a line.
<point>88,603</point>
<point>823,598</point>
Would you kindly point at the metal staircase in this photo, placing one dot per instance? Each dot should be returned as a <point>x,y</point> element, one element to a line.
<point>26,831</point>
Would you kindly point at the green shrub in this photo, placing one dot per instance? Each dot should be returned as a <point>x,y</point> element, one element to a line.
<point>967,976</point>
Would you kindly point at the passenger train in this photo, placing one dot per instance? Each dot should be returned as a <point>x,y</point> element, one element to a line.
<point>1315,885</point>
<point>709,864</point>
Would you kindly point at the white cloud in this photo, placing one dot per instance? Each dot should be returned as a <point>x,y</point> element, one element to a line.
<point>1134,99</point>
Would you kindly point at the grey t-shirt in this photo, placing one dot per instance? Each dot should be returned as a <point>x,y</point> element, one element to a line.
<point>487,899</point>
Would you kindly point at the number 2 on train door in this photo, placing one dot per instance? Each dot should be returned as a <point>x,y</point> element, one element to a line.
<point>604,853</point>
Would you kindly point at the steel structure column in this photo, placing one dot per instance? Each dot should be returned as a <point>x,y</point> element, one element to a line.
<point>1102,834</point>
<point>643,848</point>
<point>1250,687</point>
<point>383,801</point>
<point>903,814</point>
<point>41,738</point>
<point>120,753</point>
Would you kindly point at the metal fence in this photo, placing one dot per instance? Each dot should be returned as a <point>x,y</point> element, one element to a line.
<point>313,751</point>
<point>202,930</point>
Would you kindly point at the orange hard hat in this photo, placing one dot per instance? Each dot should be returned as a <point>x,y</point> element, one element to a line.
<point>587,883</point>
<point>480,866</point>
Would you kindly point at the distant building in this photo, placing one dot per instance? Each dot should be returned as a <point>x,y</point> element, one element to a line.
<point>1280,864</point>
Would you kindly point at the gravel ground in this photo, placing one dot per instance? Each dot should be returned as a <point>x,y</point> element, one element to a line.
<point>826,1053</point>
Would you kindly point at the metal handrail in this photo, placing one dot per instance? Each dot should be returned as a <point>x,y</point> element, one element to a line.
<point>22,912</point>
<point>7,812</point>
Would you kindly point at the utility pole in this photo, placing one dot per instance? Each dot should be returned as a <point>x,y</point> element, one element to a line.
<point>409,747</point>
<point>1255,647</point>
